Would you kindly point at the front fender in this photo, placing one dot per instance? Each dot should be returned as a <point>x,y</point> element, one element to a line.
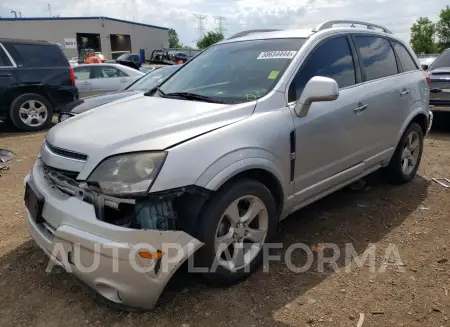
<point>233,164</point>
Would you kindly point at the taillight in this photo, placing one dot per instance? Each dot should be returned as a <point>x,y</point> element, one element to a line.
<point>427,77</point>
<point>72,75</point>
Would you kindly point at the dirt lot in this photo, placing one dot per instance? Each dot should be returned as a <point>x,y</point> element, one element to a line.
<point>414,217</point>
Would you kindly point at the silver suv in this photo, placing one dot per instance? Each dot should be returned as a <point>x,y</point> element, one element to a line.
<point>246,133</point>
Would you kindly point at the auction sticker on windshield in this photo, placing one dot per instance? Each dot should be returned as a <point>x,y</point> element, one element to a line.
<point>277,55</point>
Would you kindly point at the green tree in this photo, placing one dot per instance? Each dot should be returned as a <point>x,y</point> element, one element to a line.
<point>423,35</point>
<point>443,29</point>
<point>174,41</point>
<point>209,39</point>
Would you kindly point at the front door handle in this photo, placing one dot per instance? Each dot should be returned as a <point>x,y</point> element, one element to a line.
<point>6,75</point>
<point>86,83</point>
<point>124,80</point>
<point>361,108</point>
<point>405,93</point>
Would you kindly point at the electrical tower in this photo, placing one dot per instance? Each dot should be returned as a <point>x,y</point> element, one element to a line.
<point>220,20</point>
<point>201,19</point>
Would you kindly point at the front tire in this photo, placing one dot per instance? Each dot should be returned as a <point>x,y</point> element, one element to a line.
<point>407,156</point>
<point>239,220</point>
<point>31,112</point>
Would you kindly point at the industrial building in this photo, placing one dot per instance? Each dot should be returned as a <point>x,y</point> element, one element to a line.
<point>112,37</point>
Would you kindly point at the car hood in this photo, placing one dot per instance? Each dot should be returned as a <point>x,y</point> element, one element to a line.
<point>142,123</point>
<point>77,107</point>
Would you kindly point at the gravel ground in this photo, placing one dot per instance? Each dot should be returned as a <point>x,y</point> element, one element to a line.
<point>413,217</point>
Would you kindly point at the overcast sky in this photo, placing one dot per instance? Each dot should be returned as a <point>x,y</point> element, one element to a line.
<point>398,15</point>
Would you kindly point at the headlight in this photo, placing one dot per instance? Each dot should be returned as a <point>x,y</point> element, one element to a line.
<point>128,174</point>
<point>63,117</point>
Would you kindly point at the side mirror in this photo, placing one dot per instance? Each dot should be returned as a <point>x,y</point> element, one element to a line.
<point>316,90</point>
<point>424,67</point>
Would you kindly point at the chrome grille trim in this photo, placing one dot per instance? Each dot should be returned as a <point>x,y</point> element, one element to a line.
<point>65,153</point>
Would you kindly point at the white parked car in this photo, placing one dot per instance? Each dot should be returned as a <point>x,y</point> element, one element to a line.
<point>92,79</point>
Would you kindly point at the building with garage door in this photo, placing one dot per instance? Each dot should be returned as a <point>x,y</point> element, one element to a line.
<point>110,36</point>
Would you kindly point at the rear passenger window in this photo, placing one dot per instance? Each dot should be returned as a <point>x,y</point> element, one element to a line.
<point>407,62</point>
<point>4,60</point>
<point>378,57</point>
<point>37,55</point>
<point>332,59</point>
<point>107,72</point>
<point>82,73</point>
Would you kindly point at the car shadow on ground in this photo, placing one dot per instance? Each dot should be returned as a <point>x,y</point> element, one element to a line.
<point>348,216</point>
<point>441,123</point>
<point>8,130</point>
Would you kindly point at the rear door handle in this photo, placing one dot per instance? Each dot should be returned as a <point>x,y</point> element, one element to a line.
<point>361,108</point>
<point>123,80</point>
<point>405,93</point>
<point>5,75</point>
<point>86,83</point>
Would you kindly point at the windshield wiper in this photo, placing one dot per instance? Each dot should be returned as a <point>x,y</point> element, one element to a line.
<point>154,90</point>
<point>191,96</point>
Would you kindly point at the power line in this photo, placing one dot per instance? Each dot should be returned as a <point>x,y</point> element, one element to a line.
<point>364,19</point>
<point>201,19</point>
<point>220,20</point>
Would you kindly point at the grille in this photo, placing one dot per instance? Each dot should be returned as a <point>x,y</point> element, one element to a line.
<point>66,153</point>
<point>67,173</point>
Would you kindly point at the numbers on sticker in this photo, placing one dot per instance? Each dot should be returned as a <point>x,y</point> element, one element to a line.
<point>277,55</point>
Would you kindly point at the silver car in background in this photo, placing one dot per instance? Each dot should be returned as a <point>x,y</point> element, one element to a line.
<point>92,79</point>
<point>146,83</point>
<point>241,136</point>
<point>439,72</point>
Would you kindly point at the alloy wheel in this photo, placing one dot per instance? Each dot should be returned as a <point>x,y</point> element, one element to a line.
<point>33,113</point>
<point>411,152</point>
<point>241,232</point>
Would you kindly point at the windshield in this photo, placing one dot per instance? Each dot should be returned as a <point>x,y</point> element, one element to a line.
<point>125,56</point>
<point>152,79</point>
<point>235,72</point>
<point>442,61</point>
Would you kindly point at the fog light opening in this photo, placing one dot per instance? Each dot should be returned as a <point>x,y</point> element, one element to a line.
<point>109,292</point>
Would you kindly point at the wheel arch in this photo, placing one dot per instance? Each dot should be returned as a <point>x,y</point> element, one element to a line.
<point>261,170</point>
<point>16,91</point>
<point>422,120</point>
<point>418,115</point>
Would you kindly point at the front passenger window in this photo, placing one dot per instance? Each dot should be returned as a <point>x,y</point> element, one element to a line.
<point>333,59</point>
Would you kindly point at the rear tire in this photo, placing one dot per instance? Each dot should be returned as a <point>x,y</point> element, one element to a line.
<point>31,112</point>
<point>407,156</point>
<point>220,224</point>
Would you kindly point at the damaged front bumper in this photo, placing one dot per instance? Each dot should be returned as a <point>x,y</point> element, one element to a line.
<point>105,256</point>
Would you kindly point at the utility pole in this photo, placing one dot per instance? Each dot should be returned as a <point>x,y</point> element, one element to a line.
<point>20,14</point>
<point>14,12</point>
<point>201,26</point>
<point>50,10</point>
<point>220,20</point>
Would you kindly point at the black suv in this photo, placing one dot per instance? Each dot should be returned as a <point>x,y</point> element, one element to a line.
<point>35,81</point>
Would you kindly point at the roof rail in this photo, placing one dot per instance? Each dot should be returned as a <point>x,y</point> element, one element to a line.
<point>331,23</point>
<point>250,32</point>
